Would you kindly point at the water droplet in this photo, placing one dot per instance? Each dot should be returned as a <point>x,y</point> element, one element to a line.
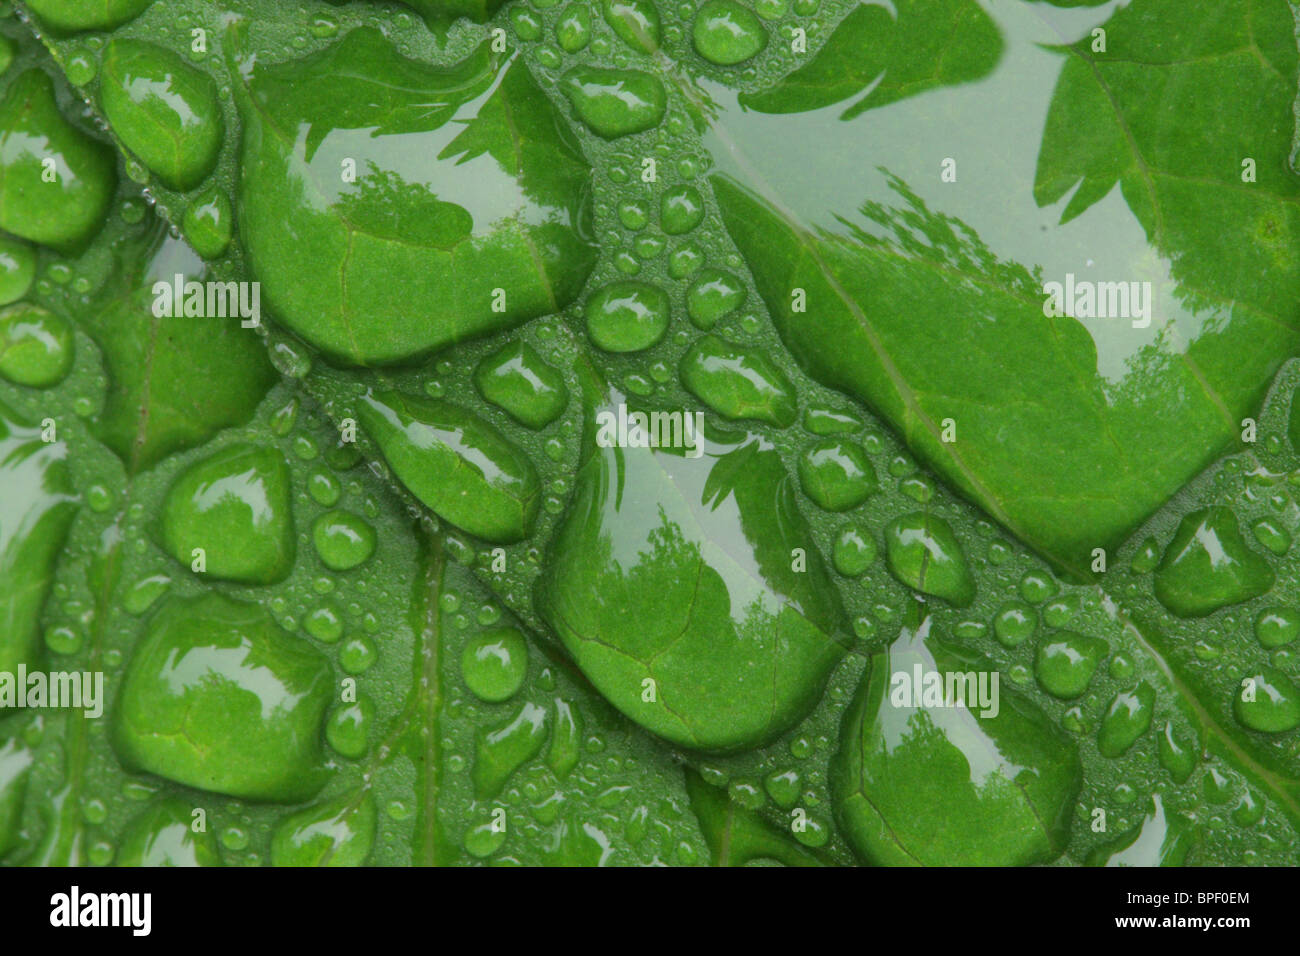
<point>36,346</point>
<point>573,29</point>
<point>1066,662</point>
<point>208,223</point>
<point>144,592</point>
<point>347,727</point>
<point>685,261</point>
<point>737,382</point>
<point>615,103</point>
<point>1276,626</point>
<point>235,506</point>
<point>324,623</point>
<point>1127,718</point>
<point>458,465</point>
<point>713,296</point>
<point>17,269</point>
<point>1267,701</point>
<point>681,209</point>
<point>358,654</point>
<point>1176,754</point>
<point>832,421</point>
<point>627,316</point>
<point>517,379</point>
<point>854,551</point>
<point>72,16</point>
<point>726,33</point>
<point>633,214</point>
<point>494,664</point>
<point>483,839</point>
<point>324,488</point>
<point>218,697</point>
<point>924,554</point>
<point>1014,623</point>
<point>924,779</point>
<point>343,540</point>
<point>499,752</point>
<point>338,832</point>
<point>636,22</point>
<point>165,111</point>
<point>1207,566</point>
<point>836,475</point>
<point>1273,535</point>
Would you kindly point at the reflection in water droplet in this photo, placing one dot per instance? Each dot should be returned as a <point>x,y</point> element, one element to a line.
<point>494,664</point>
<point>627,316</point>
<point>726,33</point>
<point>36,346</point>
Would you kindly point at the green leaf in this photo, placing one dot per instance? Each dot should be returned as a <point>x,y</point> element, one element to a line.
<point>950,273</point>
<point>889,54</point>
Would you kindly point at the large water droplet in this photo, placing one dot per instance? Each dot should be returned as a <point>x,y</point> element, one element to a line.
<point>713,296</point>
<point>36,346</point>
<point>461,179</point>
<point>338,832</point>
<point>70,15</point>
<point>235,506</point>
<point>37,511</point>
<point>518,380</point>
<point>1159,840</point>
<point>738,382</point>
<point>924,554</point>
<point>681,209</point>
<point>1066,662</point>
<point>1126,719</point>
<point>627,316</point>
<point>927,776</point>
<point>209,224</point>
<point>498,753</point>
<point>615,102</point>
<point>343,540</point>
<point>218,697</point>
<point>461,467</point>
<point>636,22</point>
<point>1207,565</point>
<point>836,474</point>
<point>163,835</point>
<point>63,212</point>
<point>1277,626</point>
<point>17,269</point>
<point>164,110</point>
<point>671,582</point>
<point>1267,701</point>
